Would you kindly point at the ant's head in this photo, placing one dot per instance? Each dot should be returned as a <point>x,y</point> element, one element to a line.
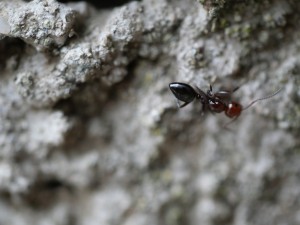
<point>234,109</point>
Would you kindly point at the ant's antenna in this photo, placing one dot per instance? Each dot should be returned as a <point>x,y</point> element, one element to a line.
<point>259,99</point>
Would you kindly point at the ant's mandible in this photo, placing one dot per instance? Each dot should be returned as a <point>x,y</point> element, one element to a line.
<point>217,102</point>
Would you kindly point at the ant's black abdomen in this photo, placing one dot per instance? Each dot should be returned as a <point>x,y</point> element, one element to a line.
<point>183,92</point>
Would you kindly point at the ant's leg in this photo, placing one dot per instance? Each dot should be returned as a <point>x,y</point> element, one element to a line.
<point>203,109</point>
<point>226,94</point>
<point>225,126</point>
<point>181,106</point>
<point>235,89</point>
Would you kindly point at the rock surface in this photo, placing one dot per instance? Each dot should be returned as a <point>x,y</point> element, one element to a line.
<point>90,132</point>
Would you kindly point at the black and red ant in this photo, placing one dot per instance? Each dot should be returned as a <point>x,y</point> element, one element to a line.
<point>216,102</point>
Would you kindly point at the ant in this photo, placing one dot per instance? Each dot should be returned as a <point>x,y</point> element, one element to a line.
<point>217,102</point>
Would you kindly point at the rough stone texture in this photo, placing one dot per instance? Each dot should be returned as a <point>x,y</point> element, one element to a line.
<point>90,133</point>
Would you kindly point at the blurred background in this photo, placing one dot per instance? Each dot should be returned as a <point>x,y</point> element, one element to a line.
<point>90,132</point>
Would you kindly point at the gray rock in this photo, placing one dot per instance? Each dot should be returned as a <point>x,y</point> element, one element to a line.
<point>90,132</point>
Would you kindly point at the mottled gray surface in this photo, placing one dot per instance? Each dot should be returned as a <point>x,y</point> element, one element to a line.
<point>90,132</point>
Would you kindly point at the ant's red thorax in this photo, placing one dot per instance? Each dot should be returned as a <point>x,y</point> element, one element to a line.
<point>234,109</point>
<point>217,106</point>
